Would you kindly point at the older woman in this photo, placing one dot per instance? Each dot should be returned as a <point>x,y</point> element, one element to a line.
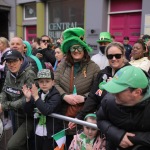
<point>139,58</point>
<point>74,77</point>
<point>115,53</point>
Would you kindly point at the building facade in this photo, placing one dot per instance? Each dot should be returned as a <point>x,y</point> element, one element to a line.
<point>33,18</point>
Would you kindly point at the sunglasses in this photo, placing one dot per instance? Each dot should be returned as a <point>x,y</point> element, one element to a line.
<point>74,48</point>
<point>111,56</point>
<point>45,41</point>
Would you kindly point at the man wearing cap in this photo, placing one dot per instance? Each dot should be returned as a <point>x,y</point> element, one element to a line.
<point>124,114</point>
<point>19,73</point>
<point>100,58</point>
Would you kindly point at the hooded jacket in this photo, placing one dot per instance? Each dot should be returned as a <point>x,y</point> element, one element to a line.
<point>29,54</point>
<point>12,96</point>
<point>115,120</point>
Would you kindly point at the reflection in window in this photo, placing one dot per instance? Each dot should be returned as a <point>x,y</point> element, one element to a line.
<point>30,10</point>
<point>64,14</point>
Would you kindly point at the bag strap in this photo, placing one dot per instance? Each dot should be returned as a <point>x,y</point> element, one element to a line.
<point>71,78</point>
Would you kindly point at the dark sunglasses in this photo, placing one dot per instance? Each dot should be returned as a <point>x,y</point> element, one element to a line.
<point>74,48</point>
<point>117,56</point>
<point>45,41</point>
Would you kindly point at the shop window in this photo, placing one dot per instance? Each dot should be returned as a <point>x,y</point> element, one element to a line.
<point>30,10</point>
<point>64,14</point>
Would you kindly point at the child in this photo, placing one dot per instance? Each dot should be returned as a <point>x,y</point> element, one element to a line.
<point>47,100</point>
<point>89,139</point>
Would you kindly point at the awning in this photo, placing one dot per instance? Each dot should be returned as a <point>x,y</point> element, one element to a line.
<point>4,6</point>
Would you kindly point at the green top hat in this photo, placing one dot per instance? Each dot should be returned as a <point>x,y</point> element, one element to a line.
<point>104,37</point>
<point>74,36</point>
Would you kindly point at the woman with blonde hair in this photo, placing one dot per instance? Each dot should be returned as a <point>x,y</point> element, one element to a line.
<point>4,46</point>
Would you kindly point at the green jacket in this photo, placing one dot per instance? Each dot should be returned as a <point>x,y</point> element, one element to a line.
<point>12,96</point>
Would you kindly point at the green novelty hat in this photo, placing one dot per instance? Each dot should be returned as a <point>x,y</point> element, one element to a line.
<point>127,77</point>
<point>104,37</point>
<point>74,36</point>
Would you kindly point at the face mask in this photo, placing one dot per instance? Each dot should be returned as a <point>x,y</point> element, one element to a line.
<point>102,49</point>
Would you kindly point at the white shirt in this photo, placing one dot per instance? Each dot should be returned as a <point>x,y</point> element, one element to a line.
<point>100,59</point>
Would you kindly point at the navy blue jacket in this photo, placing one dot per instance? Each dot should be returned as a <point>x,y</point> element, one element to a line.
<point>52,104</point>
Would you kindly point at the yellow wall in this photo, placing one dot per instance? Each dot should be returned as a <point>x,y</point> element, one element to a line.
<point>40,19</point>
<point>19,19</point>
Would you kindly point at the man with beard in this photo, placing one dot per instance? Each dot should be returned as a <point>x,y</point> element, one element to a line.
<point>100,58</point>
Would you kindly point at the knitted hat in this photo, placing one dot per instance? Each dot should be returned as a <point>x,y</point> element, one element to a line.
<point>104,37</point>
<point>74,36</point>
<point>127,77</point>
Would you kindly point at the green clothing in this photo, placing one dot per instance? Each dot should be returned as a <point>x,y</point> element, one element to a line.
<point>29,53</point>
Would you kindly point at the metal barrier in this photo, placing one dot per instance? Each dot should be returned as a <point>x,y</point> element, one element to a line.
<point>77,121</point>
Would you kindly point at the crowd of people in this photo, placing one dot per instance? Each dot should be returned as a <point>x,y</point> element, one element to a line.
<point>110,89</point>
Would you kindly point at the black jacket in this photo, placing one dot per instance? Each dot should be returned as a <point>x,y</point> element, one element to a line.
<point>115,120</point>
<point>52,104</point>
<point>48,56</point>
<point>93,100</point>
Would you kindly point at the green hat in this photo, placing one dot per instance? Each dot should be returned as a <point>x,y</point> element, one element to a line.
<point>104,37</point>
<point>90,115</point>
<point>45,73</point>
<point>74,36</point>
<point>127,77</point>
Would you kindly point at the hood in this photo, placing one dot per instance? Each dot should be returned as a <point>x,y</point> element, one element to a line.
<point>29,48</point>
<point>29,53</point>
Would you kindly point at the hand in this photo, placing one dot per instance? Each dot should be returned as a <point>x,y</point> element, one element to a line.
<point>110,78</point>
<point>71,125</point>
<point>27,92</point>
<point>70,99</point>
<point>39,55</point>
<point>79,99</point>
<point>1,108</point>
<point>34,92</point>
<point>125,142</point>
<point>44,45</point>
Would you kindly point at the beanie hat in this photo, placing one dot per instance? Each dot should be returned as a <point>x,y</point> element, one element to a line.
<point>127,77</point>
<point>104,37</point>
<point>74,36</point>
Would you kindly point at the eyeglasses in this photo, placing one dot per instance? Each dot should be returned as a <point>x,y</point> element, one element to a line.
<point>74,48</point>
<point>111,56</point>
<point>45,41</point>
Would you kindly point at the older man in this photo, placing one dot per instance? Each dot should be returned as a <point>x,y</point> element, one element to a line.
<point>17,44</point>
<point>124,114</point>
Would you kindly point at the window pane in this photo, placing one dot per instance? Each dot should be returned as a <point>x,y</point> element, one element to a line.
<point>30,10</point>
<point>64,14</point>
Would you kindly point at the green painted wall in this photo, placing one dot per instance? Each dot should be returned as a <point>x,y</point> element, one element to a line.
<point>40,19</point>
<point>19,19</point>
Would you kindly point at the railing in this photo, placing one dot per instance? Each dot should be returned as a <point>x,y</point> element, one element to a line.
<point>77,121</point>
